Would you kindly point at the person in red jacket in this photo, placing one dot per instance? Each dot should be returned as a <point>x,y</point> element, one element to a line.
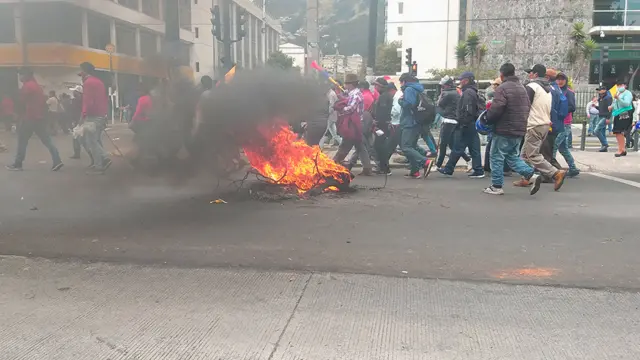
<point>94,116</point>
<point>32,120</point>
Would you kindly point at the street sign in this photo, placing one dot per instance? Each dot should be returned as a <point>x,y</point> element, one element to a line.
<point>497,42</point>
<point>110,48</point>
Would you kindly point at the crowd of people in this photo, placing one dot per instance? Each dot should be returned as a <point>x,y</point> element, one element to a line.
<point>528,123</point>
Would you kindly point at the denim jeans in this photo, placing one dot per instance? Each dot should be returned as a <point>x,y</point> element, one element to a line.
<point>561,145</point>
<point>466,137</point>
<point>25,131</point>
<point>93,128</point>
<point>333,131</point>
<point>409,146</point>
<point>593,121</point>
<point>569,134</point>
<point>428,138</point>
<point>507,150</point>
<point>600,130</point>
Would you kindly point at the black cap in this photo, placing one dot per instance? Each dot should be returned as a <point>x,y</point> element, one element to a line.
<point>601,88</point>
<point>381,81</point>
<point>537,69</point>
<point>87,67</point>
<point>407,77</point>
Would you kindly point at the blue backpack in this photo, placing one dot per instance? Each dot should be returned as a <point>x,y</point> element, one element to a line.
<point>559,104</point>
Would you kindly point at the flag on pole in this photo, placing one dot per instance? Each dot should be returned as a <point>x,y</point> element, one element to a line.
<point>230,74</point>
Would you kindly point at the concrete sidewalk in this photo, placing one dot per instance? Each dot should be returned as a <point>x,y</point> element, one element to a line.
<point>99,311</point>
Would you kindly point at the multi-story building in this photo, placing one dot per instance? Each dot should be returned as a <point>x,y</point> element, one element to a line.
<point>429,27</point>
<point>616,24</point>
<point>54,37</point>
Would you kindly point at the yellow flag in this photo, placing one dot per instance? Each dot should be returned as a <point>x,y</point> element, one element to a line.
<point>229,75</point>
<point>613,91</point>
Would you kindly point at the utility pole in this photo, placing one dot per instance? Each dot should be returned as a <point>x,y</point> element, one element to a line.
<point>313,47</point>
<point>373,36</point>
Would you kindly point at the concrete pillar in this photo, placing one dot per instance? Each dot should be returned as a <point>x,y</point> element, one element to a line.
<point>85,30</point>
<point>138,46</point>
<point>313,50</point>
<point>20,36</point>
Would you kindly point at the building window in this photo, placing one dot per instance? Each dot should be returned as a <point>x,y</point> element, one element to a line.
<point>131,4</point>
<point>62,23</point>
<point>126,40</point>
<point>99,31</point>
<point>151,8</point>
<point>616,13</point>
<point>400,30</point>
<point>401,8</point>
<point>197,66</point>
<point>185,14</point>
<point>197,32</point>
<point>148,43</point>
<point>7,25</point>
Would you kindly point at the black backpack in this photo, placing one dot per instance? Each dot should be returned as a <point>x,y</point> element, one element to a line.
<point>425,109</point>
<point>482,103</point>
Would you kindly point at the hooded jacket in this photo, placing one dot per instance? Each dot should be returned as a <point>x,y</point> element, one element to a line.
<point>571,98</point>
<point>468,111</point>
<point>383,108</point>
<point>539,93</point>
<point>448,103</point>
<point>603,104</point>
<point>409,103</point>
<point>509,109</point>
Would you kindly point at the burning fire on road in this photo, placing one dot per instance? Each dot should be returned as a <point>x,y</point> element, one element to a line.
<point>283,159</point>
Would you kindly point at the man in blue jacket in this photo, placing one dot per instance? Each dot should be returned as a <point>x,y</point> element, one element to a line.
<point>562,138</point>
<point>411,129</point>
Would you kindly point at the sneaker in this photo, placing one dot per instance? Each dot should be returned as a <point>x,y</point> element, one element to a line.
<point>415,175</point>
<point>523,182</point>
<point>444,172</point>
<point>57,166</point>
<point>559,179</point>
<point>382,172</point>
<point>573,173</point>
<point>493,191</point>
<point>427,168</point>
<point>476,175</point>
<point>535,182</point>
<point>13,168</point>
<point>469,167</point>
<point>604,149</point>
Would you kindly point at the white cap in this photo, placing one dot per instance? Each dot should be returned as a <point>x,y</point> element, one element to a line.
<point>445,80</point>
<point>77,88</point>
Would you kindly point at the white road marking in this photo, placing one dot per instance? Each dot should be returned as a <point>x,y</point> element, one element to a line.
<point>613,178</point>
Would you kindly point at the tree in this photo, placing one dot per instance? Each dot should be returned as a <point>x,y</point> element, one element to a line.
<point>582,48</point>
<point>473,40</point>
<point>461,53</point>
<point>388,60</point>
<point>471,51</point>
<point>278,59</point>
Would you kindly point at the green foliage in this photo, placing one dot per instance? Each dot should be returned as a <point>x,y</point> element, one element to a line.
<point>461,52</point>
<point>387,59</point>
<point>437,74</point>
<point>277,59</point>
<point>582,48</point>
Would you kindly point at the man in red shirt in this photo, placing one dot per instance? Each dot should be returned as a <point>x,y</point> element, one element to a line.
<point>94,114</point>
<point>32,120</point>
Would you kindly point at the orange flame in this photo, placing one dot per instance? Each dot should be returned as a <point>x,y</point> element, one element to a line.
<point>286,160</point>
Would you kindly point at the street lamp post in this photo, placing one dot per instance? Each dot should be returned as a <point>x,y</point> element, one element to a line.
<point>110,49</point>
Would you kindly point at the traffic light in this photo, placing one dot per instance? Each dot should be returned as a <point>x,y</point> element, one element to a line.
<point>604,54</point>
<point>241,19</point>
<point>215,21</point>
<point>414,68</point>
<point>409,56</point>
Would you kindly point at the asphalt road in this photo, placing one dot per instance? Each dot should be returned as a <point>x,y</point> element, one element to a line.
<point>585,235</point>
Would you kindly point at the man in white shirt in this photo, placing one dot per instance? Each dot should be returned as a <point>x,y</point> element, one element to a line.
<point>53,107</point>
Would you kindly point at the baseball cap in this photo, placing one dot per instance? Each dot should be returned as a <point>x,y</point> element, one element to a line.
<point>537,69</point>
<point>407,77</point>
<point>446,80</point>
<point>562,75</point>
<point>466,75</point>
<point>381,81</point>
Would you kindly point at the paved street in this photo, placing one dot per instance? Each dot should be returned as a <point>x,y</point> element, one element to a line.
<point>272,280</point>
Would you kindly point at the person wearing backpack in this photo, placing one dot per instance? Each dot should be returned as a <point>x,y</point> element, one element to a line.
<point>538,122</point>
<point>471,104</point>
<point>563,138</point>
<point>411,127</point>
<point>559,110</point>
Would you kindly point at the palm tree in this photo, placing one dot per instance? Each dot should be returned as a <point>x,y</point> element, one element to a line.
<point>461,53</point>
<point>473,40</point>
<point>586,51</point>
<point>581,50</point>
<point>577,35</point>
<point>482,52</point>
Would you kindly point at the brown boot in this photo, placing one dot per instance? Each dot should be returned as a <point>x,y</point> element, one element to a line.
<point>558,179</point>
<point>522,183</point>
<point>366,172</point>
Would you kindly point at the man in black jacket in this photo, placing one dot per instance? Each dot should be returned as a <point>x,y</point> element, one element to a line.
<point>508,115</point>
<point>447,107</point>
<point>382,114</point>
<point>466,135</point>
<point>604,115</point>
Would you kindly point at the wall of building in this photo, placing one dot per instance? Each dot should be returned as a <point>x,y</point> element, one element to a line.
<point>203,52</point>
<point>527,32</point>
<point>296,53</point>
<point>429,27</point>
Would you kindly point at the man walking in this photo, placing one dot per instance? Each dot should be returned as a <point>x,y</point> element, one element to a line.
<point>332,98</point>
<point>562,138</point>
<point>604,115</point>
<point>383,108</point>
<point>350,125</point>
<point>94,112</point>
<point>467,112</point>
<point>448,105</point>
<point>411,129</point>
<point>33,120</point>
<point>538,123</point>
<point>508,114</point>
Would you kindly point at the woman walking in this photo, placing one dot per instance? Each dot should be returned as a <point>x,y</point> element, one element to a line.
<point>622,116</point>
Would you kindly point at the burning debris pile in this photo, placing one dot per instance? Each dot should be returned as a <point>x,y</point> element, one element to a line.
<point>283,159</point>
